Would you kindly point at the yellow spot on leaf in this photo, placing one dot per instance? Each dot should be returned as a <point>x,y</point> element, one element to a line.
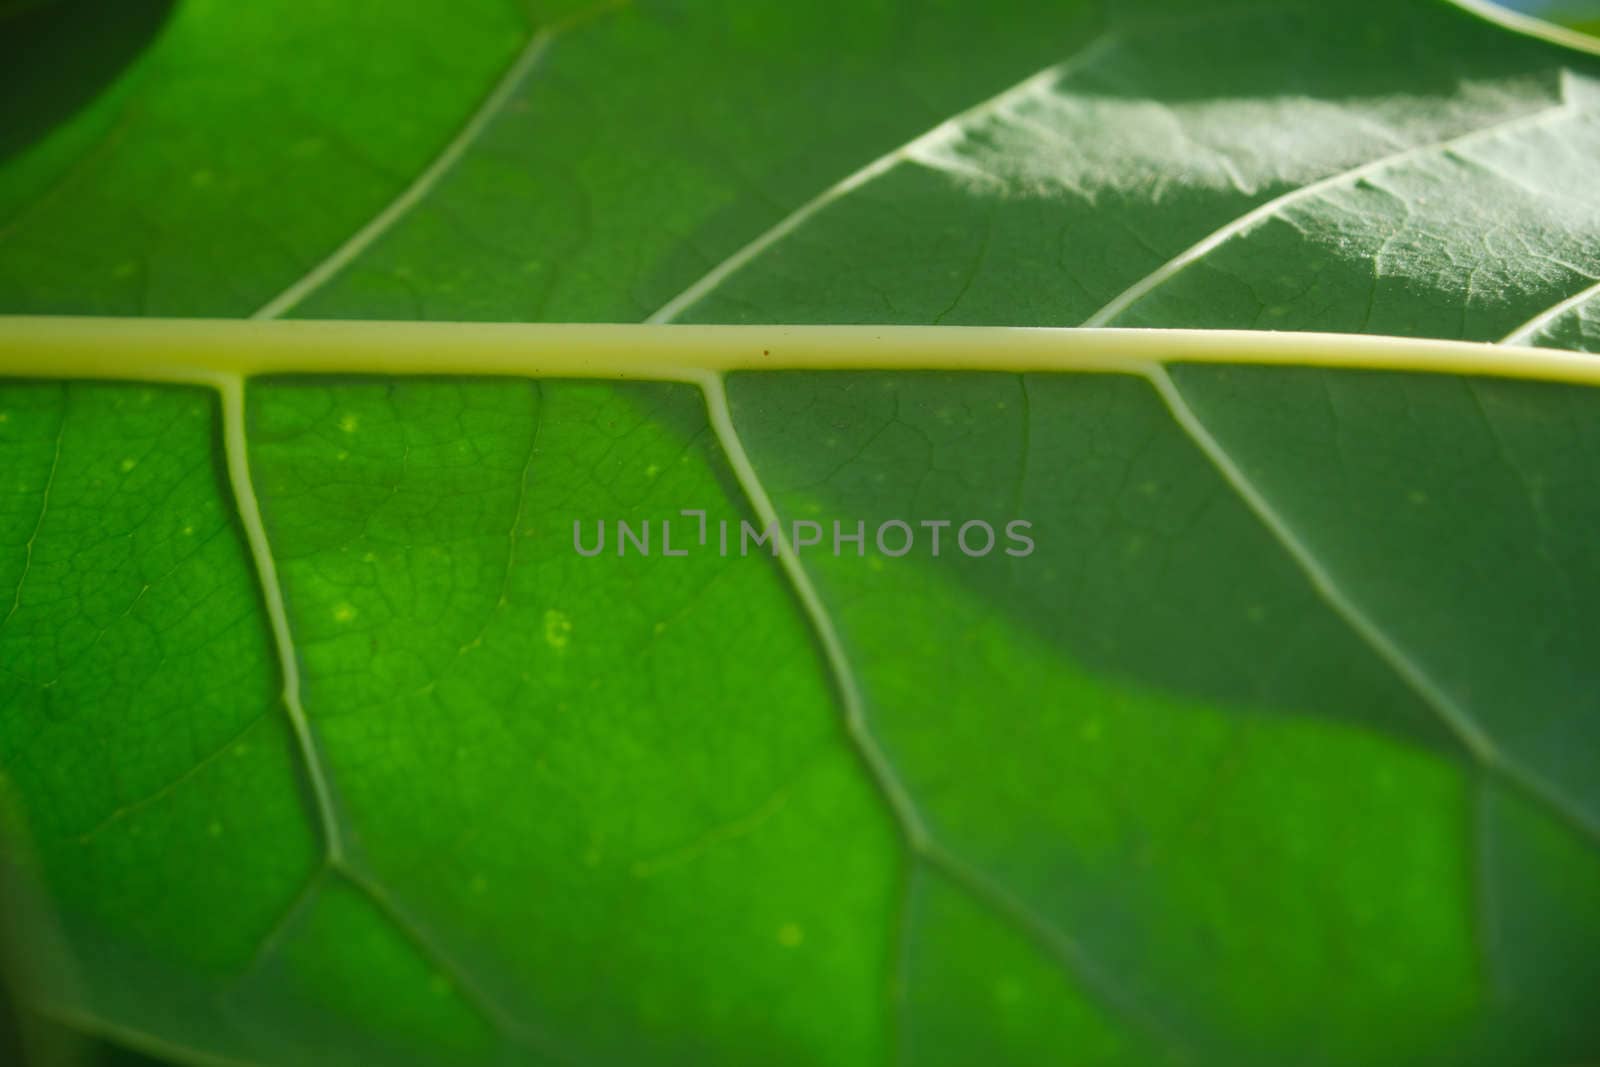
<point>350,422</point>
<point>127,465</point>
<point>557,629</point>
<point>344,612</point>
<point>790,935</point>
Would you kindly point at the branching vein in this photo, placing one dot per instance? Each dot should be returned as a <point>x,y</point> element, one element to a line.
<point>424,184</point>
<point>1528,332</point>
<point>510,82</point>
<point>919,840</point>
<point>1456,718</point>
<point>1275,207</point>
<point>255,531</point>
<point>855,720</point>
<point>713,278</point>
<point>44,506</point>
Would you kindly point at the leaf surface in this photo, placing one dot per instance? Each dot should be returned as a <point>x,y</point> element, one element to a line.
<point>324,746</point>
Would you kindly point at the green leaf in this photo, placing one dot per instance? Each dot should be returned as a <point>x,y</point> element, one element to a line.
<point>319,743</point>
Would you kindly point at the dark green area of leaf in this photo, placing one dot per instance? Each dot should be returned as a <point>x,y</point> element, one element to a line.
<point>56,58</point>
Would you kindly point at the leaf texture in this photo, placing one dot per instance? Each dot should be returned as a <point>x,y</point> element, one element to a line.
<point>323,746</point>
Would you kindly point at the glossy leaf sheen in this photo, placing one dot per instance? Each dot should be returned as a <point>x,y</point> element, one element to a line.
<point>1283,747</point>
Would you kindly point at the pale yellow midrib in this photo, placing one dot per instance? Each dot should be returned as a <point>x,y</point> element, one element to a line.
<point>207,351</point>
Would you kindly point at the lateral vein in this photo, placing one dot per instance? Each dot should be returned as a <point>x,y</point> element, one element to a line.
<point>1327,587</point>
<point>713,278</point>
<point>424,183</point>
<point>908,819</point>
<point>236,449</point>
<point>1525,333</point>
<point>920,842</point>
<point>44,506</point>
<point>89,1022</point>
<point>132,807</point>
<point>1455,718</point>
<point>1064,950</point>
<point>1273,208</point>
<point>336,856</point>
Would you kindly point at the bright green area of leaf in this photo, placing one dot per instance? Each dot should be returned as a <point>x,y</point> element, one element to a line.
<point>1151,820</point>
<point>1283,747</point>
